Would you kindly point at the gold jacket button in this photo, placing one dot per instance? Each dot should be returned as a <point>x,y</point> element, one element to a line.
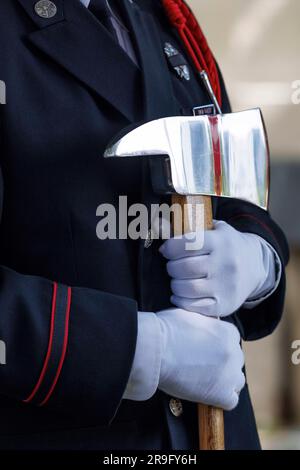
<point>176,407</point>
<point>45,9</point>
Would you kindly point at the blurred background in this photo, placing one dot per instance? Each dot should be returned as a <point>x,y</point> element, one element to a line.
<point>256,43</point>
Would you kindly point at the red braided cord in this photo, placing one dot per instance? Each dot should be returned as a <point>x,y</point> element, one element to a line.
<point>197,50</point>
<point>183,19</point>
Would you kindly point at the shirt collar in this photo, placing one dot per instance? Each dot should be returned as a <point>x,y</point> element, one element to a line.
<point>85,2</point>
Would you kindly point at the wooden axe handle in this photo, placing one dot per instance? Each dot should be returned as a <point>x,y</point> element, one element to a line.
<point>210,419</point>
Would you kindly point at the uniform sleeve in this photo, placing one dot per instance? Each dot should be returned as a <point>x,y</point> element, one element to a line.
<point>245,217</point>
<point>67,349</point>
<point>261,320</point>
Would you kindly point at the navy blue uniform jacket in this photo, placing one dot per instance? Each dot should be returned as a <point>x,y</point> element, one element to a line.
<point>68,301</point>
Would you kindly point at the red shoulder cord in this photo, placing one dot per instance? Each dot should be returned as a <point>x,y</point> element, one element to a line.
<point>183,19</point>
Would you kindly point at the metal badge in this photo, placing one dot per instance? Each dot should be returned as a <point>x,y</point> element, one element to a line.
<point>206,110</point>
<point>177,61</point>
<point>45,9</point>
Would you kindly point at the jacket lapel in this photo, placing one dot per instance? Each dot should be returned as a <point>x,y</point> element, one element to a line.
<point>159,102</point>
<point>79,43</point>
<point>158,93</point>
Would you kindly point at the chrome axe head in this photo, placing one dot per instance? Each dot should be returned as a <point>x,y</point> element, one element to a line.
<point>224,155</point>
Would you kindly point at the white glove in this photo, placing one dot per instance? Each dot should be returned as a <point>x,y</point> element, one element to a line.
<point>231,268</point>
<point>201,359</point>
<point>188,356</point>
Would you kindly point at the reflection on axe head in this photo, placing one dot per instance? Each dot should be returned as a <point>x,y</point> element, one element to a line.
<point>224,155</point>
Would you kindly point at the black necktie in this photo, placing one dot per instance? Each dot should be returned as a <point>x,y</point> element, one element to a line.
<point>100,8</point>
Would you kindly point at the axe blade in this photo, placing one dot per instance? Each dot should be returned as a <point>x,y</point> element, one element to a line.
<point>225,155</point>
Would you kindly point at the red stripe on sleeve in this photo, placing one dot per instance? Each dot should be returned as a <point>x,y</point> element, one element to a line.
<point>64,350</point>
<point>50,342</point>
<point>259,222</point>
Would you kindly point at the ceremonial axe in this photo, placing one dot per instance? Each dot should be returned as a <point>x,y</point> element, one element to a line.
<point>194,158</point>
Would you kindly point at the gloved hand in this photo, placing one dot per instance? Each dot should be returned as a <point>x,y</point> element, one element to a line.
<point>201,359</point>
<point>231,268</point>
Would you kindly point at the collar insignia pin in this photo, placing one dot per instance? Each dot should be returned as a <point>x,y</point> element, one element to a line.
<point>45,9</point>
<point>177,61</point>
